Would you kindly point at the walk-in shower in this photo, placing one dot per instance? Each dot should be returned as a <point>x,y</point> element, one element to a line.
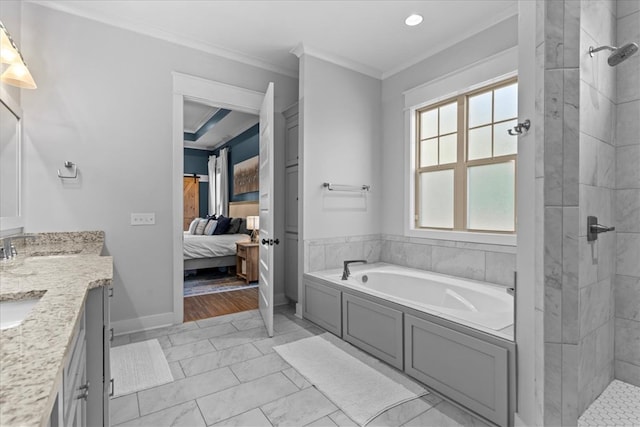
<point>619,53</point>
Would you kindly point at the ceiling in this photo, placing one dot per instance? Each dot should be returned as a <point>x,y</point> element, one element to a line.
<point>232,125</point>
<point>369,36</point>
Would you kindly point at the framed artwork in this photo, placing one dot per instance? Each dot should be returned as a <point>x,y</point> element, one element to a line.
<point>246,176</point>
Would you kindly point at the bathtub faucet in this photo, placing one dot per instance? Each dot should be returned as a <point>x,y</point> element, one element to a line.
<point>346,272</point>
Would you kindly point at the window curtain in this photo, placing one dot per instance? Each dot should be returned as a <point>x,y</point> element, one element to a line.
<point>211,165</point>
<point>222,183</point>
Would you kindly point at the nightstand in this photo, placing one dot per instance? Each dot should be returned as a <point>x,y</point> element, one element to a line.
<point>247,255</point>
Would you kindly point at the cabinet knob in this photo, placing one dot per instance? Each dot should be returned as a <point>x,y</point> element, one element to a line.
<point>265,242</point>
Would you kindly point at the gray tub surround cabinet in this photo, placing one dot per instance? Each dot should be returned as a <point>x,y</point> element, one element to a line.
<point>472,368</point>
<point>62,345</point>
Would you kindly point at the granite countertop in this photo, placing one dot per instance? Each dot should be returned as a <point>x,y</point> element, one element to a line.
<point>32,354</point>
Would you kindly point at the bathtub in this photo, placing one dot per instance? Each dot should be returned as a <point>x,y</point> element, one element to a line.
<point>476,304</point>
<point>454,335</point>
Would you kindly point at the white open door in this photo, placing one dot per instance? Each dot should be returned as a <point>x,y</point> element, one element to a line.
<point>267,239</point>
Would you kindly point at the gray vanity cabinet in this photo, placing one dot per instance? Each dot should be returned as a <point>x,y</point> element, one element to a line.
<point>98,362</point>
<point>74,379</point>
<point>374,328</point>
<point>468,370</point>
<point>323,306</point>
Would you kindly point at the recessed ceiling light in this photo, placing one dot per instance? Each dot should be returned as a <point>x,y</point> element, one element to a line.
<point>413,20</point>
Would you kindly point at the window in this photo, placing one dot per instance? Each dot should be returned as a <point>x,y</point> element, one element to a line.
<point>466,161</point>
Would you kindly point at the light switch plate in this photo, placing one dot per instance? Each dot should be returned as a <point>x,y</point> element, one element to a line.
<point>143,219</point>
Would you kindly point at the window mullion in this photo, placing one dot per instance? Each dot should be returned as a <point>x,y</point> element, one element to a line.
<point>459,184</point>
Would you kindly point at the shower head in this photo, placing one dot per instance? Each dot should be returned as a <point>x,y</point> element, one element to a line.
<point>622,53</point>
<point>619,53</point>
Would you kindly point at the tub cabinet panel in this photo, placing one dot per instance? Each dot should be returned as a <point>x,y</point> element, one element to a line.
<point>323,306</point>
<point>374,328</point>
<point>468,370</point>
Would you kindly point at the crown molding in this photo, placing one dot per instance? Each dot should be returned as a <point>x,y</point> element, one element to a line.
<point>169,37</point>
<point>303,49</point>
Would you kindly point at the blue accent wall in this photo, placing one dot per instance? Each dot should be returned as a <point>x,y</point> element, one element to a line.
<point>196,161</point>
<point>242,147</point>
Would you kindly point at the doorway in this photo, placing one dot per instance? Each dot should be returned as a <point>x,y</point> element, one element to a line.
<point>227,97</point>
<point>219,144</point>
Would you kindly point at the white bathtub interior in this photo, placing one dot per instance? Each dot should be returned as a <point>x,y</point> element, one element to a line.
<point>479,305</point>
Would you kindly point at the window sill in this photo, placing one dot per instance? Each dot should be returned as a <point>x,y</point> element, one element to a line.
<point>465,236</point>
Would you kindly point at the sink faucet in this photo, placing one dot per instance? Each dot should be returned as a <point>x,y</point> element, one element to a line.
<point>8,250</point>
<point>346,272</point>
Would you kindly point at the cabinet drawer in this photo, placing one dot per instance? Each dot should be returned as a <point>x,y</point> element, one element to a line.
<point>374,328</point>
<point>242,251</point>
<point>75,378</point>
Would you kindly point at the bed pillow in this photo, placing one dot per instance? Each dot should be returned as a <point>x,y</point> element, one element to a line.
<point>210,227</point>
<point>223,225</point>
<point>193,225</point>
<point>243,227</point>
<point>234,226</point>
<point>202,223</point>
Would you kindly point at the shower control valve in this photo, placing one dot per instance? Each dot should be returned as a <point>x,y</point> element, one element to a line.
<point>593,228</point>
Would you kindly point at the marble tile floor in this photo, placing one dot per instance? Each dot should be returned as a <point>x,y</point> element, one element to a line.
<point>227,374</point>
<point>616,406</point>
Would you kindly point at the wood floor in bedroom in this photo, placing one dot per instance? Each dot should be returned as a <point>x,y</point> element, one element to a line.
<point>210,305</point>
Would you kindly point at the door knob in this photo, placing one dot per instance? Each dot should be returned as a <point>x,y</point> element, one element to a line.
<point>276,241</point>
<point>265,242</point>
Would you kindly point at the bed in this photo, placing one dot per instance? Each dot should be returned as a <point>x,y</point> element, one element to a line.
<point>218,250</point>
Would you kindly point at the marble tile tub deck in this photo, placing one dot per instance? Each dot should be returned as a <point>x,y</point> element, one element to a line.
<point>227,374</point>
<point>32,354</point>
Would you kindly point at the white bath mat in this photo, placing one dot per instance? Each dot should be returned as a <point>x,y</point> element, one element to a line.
<point>138,366</point>
<point>361,391</point>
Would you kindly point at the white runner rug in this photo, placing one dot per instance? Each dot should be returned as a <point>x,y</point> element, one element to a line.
<point>138,366</point>
<point>361,391</point>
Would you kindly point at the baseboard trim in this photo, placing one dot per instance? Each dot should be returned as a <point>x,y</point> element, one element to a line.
<point>121,327</point>
<point>280,299</point>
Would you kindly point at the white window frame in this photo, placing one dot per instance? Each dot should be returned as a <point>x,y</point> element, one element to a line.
<point>489,71</point>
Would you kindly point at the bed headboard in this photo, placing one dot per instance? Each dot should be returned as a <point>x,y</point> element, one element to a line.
<point>243,209</point>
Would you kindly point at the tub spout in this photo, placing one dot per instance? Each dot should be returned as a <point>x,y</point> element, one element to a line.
<point>346,272</point>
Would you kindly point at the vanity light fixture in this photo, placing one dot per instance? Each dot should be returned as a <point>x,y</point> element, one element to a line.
<point>413,20</point>
<point>17,73</point>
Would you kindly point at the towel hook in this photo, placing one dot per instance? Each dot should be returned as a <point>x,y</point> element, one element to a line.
<point>517,129</point>
<point>69,165</point>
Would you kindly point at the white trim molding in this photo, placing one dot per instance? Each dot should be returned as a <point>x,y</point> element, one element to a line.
<point>482,73</point>
<point>211,93</point>
<point>170,37</point>
<point>303,49</point>
<point>144,323</point>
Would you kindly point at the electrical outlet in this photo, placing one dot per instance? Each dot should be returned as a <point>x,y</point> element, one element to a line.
<point>143,219</point>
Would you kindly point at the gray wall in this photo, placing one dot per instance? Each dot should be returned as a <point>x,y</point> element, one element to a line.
<point>341,144</point>
<point>627,200</point>
<point>104,101</point>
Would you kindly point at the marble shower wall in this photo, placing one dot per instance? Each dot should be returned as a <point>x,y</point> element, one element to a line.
<point>557,173</point>
<point>491,263</point>
<point>597,166</point>
<point>627,200</point>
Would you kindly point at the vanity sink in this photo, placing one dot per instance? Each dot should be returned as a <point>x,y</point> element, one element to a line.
<point>13,312</point>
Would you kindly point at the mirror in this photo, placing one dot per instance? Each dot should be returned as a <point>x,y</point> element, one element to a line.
<point>10,163</point>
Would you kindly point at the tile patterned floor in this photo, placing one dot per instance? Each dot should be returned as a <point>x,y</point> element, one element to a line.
<point>618,405</point>
<point>227,374</point>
